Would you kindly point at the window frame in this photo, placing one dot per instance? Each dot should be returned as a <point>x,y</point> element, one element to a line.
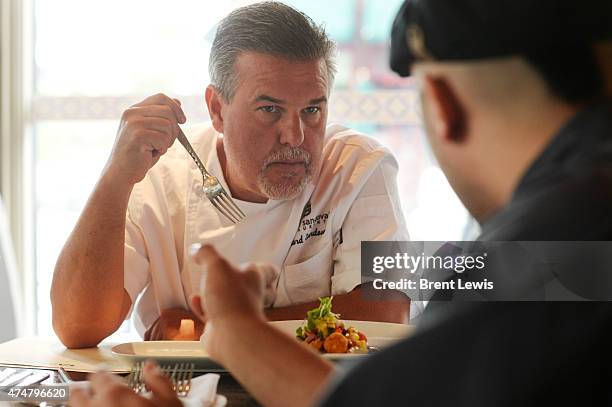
<point>16,170</point>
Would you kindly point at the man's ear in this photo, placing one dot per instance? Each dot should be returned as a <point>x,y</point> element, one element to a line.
<point>603,54</point>
<point>214,101</point>
<point>446,115</point>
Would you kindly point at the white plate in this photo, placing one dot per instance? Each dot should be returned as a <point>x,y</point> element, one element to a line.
<point>168,353</point>
<point>380,335</point>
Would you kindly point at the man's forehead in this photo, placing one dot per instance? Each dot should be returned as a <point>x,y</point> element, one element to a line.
<point>273,77</point>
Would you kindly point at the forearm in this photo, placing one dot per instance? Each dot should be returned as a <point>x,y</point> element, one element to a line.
<point>276,369</point>
<point>362,304</point>
<point>87,293</point>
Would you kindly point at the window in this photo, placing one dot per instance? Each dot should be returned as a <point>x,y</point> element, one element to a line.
<point>93,59</point>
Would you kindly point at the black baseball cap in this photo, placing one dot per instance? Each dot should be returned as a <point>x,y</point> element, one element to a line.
<point>459,30</point>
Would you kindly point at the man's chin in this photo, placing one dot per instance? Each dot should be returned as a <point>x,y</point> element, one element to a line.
<point>284,191</point>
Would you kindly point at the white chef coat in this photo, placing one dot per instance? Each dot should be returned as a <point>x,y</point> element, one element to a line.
<point>314,239</point>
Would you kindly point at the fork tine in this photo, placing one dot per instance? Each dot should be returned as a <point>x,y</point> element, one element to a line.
<point>178,379</point>
<point>141,385</point>
<point>223,202</point>
<point>221,209</point>
<point>184,379</point>
<point>189,377</point>
<point>135,378</point>
<point>135,375</point>
<point>232,204</point>
<point>173,377</point>
<point>130,378</point>
<point>181,387</point>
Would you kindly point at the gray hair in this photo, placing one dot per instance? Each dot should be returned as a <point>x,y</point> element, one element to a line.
<point>270,28</point>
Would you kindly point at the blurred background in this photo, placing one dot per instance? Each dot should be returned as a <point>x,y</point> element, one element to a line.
<point>69,68</point>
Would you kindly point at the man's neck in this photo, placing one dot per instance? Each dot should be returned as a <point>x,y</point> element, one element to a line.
<point>236,190</point>
<point>516,146</point>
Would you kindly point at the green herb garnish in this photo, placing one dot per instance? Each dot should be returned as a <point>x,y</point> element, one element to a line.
<point>319,320</point>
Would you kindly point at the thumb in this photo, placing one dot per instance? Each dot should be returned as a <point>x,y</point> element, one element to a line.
<point>208,257</point>
<point>182,118</point>
<point>197,308</point>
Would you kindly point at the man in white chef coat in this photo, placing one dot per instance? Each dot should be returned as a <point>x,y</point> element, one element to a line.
<point>310,192</point>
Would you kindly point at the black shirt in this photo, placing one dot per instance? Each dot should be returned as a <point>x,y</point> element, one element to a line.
<point>566,194</point>
<point>515,354</point>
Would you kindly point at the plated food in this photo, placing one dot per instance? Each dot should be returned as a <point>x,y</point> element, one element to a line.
<point>325,332</point>
<point>379,336</point>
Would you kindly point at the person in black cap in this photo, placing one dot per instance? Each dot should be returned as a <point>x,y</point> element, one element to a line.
<point>517,107</point>
<point>516,101</point>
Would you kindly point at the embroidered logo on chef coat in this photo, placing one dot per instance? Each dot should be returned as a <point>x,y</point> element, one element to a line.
<point>307,210</point>
<point>310,226</point>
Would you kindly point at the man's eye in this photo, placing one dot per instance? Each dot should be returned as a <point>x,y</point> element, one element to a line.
<point>312,109</point>
<point>269,109</point>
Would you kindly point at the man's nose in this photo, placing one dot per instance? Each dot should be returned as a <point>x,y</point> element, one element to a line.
<point>292,132</point>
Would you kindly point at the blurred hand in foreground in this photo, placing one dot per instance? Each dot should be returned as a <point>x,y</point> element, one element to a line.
<point>231,296</point>
<point>109,391</point>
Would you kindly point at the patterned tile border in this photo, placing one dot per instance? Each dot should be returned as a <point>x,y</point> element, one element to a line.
<point>383,107</point>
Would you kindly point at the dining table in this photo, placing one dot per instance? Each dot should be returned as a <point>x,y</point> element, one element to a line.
<point>119,354</point>
<point>50,354</point>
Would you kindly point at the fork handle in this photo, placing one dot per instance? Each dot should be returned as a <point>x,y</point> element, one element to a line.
<point>183,140</point>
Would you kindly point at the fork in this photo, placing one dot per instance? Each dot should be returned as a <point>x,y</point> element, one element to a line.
<point>180,376</point>
<point>213,189</point>
<point>10,377</point>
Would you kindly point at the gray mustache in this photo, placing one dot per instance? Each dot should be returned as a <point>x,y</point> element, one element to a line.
<point>288,154</point>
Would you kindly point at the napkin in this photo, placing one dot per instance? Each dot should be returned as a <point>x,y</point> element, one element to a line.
<point>203,392</point>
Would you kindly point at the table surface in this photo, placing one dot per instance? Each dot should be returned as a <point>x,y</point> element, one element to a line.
<point>48,353</point>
